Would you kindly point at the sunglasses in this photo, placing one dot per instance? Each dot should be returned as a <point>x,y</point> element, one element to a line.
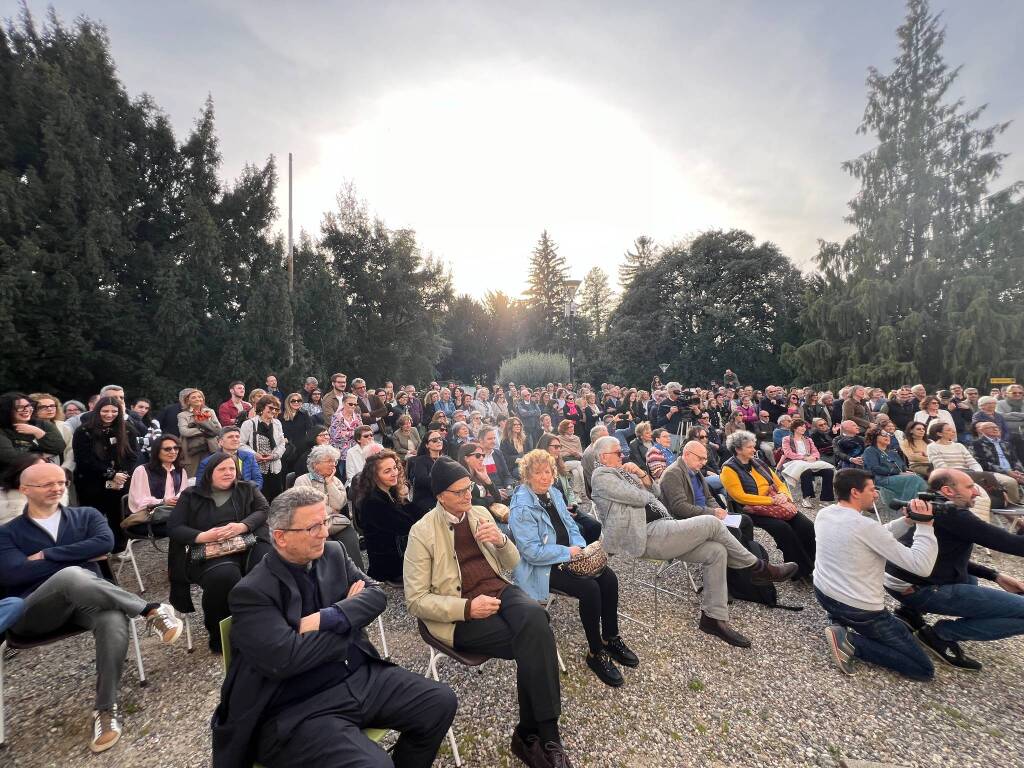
<point>171,448</point>
<point>476,455</point>
<point>434,440</point>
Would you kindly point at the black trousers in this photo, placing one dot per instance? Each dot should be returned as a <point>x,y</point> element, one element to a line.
<point>807,483</point>
<point>520,631</point>
<point>795,537</point>
<point>598,603</point>
<point>217,581</point>
<point>329,733</point>
<point>590,527</point>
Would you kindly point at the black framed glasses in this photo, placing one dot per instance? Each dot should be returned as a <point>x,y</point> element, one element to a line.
<point>476,455</point>
<point>435,440</point>
<point>315,528</point>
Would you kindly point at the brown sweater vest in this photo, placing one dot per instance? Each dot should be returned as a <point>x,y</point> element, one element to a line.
<point>478,577</point>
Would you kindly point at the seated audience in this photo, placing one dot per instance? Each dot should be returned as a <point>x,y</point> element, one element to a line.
<point>1011,408</point>
<point>764,496</point>
<point>218,533</point>
<point>322,476</point>
<point>781,432</point>
<point>944,452</point>
<point>915,447</point>
<point>931,411</point>
<point>546,536</point>
<point>418,470</point>
<point>304,679</point>
<point>48,558</point>
<point>660,454</point>
<point>358,452</point>
<point>588,525</point>
<point>405,439</point>
<point>853,549</point>
<point>848,446</point>
<point>229,441</point>
<point>515,443</point>
<point>385,515</point>
<point>801,462</point>
<point>988,411</point>
<point>636,523</point>
<point>47,408</point>
<point>855,408</point>
<point>105,458</point>
<point>484,492</point>
<point>494,461</point>
<point>157,483</point>
<point>951,589</point>
<point>297,427</point>
<point>999,457</point>
<point>198,428</point>
<point>21,431</point>
<point>638,446</point>
<point>455,583</point>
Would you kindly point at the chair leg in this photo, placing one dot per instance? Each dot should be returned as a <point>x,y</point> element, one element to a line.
<point>138,654</point>
<point>3,732</point>
<point>383,637</point>
<point>189,648</point>
<point>135,565</point>
<point>432,673</point>
<point>558,653</point>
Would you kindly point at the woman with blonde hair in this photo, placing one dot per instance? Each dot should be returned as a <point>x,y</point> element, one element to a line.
<point>48,408</point>
<point>297,425</point>
<point>198,428</point>
<point>546,537</point>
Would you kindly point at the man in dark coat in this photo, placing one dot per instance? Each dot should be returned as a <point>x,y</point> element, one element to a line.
<point>304,680</point>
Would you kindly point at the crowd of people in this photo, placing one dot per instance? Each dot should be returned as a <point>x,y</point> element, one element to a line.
<point>479,503</point>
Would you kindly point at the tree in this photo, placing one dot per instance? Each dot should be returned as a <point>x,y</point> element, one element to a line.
<point>931,285</point>
<point>640,259</point>
<point>545,296</point>
<point>596,300</point>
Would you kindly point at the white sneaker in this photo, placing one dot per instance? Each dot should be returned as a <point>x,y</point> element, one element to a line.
<point>806,504</point>
<point>165,623</point>
<point>106,729</point>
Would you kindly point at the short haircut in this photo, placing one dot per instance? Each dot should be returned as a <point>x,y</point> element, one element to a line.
<point>847,480</point>
<point>227,431</point>
<point>598,430</point>
<point>265,401</point>
<point>282,509</point>
<point>537,458</point>
<point>603,444</point>
<point>111,388</point>
<point>360,431</point>
<point>484,431</point>
<point>935,429</point>
<point>795,422</point>
<point>235,383</point>
<point>320,453</point>
<point>738,439</point>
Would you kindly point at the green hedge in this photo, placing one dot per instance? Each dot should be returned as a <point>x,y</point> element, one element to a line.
<point>534,369</point>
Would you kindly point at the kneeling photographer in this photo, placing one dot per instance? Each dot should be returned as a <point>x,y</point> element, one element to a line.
<point>952,587</point>
<point>849,572</point>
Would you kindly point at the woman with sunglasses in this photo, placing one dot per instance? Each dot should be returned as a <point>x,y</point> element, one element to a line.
<point>160,481</point>
<point>485,493</point>
<point>21,433</point>
<point>198,427</point>
<point>265,437</point>
<point>297,426</point>
<point>419,467</point>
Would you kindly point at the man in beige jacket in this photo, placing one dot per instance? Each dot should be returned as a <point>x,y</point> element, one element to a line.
<point>455,578</point>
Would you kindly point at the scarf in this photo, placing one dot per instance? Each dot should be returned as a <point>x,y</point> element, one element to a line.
<point>654,505</point>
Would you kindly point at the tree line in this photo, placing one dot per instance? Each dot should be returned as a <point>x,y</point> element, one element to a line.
<point>125,258</point>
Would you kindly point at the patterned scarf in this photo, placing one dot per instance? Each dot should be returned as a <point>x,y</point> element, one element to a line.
<point>655,505</point>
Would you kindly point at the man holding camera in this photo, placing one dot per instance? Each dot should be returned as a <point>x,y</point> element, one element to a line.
<point>849,571</point>
<point>951,589</point>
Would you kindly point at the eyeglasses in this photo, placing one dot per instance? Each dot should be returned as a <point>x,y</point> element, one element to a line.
<point>55,485</point>
<point>467,491</point>
<point>46,406</point>
<point>170,448</point>
<point>434,440</point>
<point>25,407</point>
<point>350,402</point>
<point>476,455</point>
<point>315,528</point>
<point>273,409</point>
<point>554,445</point>
<point>296,401</point>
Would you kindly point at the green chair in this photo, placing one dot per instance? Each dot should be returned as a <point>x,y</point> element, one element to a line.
<point>374,734</point>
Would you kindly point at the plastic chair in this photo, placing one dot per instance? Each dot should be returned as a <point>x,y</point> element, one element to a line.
<point>373,734</point>
<point>289,480</point>
<point>439,651</point>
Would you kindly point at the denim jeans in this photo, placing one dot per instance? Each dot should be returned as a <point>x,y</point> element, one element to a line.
<point>11,609</point>
<point>880,638</point>
<point>988,614</point>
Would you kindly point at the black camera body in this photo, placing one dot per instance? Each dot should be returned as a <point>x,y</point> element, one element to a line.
<point>940,505</point>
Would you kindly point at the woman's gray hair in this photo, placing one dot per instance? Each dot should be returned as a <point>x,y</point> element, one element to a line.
<point>738,439</point>
<point>282,509</point>
<point>322,453</point>
<point>457,426</point>
<point>603,444</point>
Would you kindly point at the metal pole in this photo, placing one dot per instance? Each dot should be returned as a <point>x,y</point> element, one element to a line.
<point>572,342</point>
<point>291,266</point>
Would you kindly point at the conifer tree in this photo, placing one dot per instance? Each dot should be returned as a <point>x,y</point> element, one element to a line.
<point>545,297</point>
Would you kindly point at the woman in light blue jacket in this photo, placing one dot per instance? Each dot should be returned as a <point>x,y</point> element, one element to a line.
<point>546,536</point>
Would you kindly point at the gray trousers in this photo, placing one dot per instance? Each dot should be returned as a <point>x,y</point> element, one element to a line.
<point>75,595</point>
<point>703,539</point>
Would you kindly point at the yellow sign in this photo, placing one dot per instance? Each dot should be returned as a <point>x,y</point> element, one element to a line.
<point>1002,380</point>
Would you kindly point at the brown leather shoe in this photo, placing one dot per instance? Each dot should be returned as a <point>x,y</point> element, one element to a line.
<point>766,573</point>
<point>722,630</point>
<point>529,750</point>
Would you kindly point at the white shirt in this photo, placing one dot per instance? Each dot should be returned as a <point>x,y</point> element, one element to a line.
<point>49,524</point>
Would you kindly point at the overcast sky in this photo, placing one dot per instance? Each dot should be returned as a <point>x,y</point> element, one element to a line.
<point>479,124</point>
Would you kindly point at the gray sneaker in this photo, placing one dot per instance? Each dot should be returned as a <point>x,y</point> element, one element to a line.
<point>842,650</point>
<point>106,729</point>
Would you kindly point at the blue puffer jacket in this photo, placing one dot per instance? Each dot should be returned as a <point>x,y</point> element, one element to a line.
<point>534,536</point>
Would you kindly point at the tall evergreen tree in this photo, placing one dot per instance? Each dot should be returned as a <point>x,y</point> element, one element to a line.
<point>545,296</point>
<point>931,285</point>
<point>638,259</point>
<point>596,300</point>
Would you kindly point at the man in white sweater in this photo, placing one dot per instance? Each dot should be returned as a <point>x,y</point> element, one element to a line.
<point>848,577</point>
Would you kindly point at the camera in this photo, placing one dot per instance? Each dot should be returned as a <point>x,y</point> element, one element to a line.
<point>940,505</point>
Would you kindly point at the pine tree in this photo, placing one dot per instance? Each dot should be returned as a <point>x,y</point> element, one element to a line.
<point>545,297</point>
<point>596,300</point>
<point>930,286</point>
<point>639,259</point>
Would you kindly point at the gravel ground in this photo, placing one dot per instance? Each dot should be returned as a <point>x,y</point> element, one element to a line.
<point>692,702</point>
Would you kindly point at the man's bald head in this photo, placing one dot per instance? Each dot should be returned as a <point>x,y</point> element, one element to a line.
<point>44,485</point>
<point>41,473</point>
<point>955,484</point>
<point>849,427</point>
<point>694,455</point>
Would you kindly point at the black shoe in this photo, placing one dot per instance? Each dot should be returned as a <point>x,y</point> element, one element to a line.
<point>946,650</point>
<point>394,583</point>
<point>555,754</point>
<point>765,573</point>
<point>604,669</point>
<point>722,630</point>
<point>529,750</point>
<point>617,649</point>
<point>910,617</point>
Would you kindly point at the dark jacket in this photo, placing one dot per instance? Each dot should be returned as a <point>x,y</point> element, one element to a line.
<point>671,423</point>
<point>899,413</point>
<point>168,419</point>
<point>193,514</point>
<point>512,456</point>
<point>957,532</point>
<point>418,472</point>
<point>846,448</point>
<point>385,523</point>
<point>267,649</point>
<point>985,452</point>
<point>96,457</point>
<point>677,492</point>
<point>13,444</point>
<point>775,407</point>
<point>501,477</point>
<point>529,414</point>
<point>83,535</point>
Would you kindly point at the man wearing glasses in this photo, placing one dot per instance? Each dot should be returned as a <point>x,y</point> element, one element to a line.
<point>635,522</point>
<point>333,400</point>
<point>48,557</point>
<point>454,578</point>
<point>304,679</point>
<point>371,407</point>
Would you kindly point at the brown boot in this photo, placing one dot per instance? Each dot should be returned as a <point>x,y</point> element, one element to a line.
<point>722,630</point>
<point>765,573</point>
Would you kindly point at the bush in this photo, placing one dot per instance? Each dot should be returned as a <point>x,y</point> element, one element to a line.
<point>534,369</point>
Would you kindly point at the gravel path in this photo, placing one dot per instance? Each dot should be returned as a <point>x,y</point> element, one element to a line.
<point>693,701</point>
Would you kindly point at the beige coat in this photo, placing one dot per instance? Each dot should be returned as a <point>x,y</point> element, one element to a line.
<point>433,580</point>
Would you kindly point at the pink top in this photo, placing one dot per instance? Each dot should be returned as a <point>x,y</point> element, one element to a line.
<point>789,452</point>
<point>138,492</point>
